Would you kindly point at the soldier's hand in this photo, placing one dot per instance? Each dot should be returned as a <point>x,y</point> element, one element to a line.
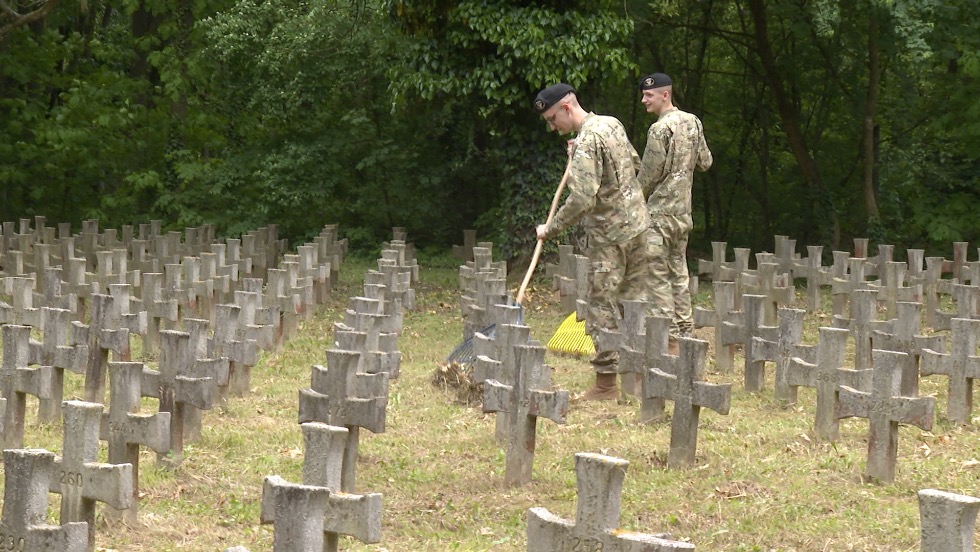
<point>541,230</point>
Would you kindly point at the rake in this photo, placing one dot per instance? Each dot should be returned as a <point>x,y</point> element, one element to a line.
<point>570,338</point>
<point>463,353</point>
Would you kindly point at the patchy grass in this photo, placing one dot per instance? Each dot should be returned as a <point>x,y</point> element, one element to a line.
<point>761,481</point>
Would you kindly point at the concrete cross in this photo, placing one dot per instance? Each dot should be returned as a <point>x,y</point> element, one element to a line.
<point>824,377</point>
<point>723,301</point>
<point>17,381</point>
<point>948,521</point>
<point>158,311</point>
<point>82,480</point>
<point>629,338</point>
<point>788,343</point>
<point>843,285</point>
<point>864,310</point>
<point>178,388</point>
<point>346,514</point>
<point>967,299</point>
<point>901,334</point>
<point>885,408</point>
<point>528,398</point>
<point>102,337</point>
<point>57,352</point>
<point>26,474</point>
<point>742,326</point>
<point>596,525</point>
<point>683,386</point>
<point>815,273</point>
<point>892,289</point>
<point>776,287</point>
<point>655,355</point>
<point>125,430</point>
<point>340,396</point>
<point>227,342</point>
<point>961,365</point>
<point>717,263</point>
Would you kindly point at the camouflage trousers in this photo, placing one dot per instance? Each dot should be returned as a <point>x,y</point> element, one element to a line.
<point>672,294</point>
<point>617,273</point>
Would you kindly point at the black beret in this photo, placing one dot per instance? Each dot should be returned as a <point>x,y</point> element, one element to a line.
<point>550,96</point>
<point>656,80</point>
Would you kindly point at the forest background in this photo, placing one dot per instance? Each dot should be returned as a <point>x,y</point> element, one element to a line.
<point>828,119</point>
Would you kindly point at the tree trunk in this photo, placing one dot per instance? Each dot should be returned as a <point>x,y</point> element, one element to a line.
<point>788,113</point>
<point>870,107</point>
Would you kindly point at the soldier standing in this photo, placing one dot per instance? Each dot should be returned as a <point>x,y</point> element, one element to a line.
<point>604,195</point>
<point>675,149</point>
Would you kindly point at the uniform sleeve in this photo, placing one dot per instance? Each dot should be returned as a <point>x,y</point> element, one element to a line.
<point>654,161</point>
<point>584,177</point>
<point>704,154</point>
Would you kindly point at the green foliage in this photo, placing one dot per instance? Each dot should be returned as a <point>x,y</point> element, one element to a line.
<point>415,113</point>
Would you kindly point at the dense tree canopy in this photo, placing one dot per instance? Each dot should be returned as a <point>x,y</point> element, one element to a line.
<point>828,120</point>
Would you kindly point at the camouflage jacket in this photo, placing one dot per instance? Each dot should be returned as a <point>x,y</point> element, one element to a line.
<point>675,148</point>
<point>602,189</point>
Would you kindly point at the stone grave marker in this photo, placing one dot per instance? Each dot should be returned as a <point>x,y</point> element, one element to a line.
<point>782,344</point>
<point>380,353</point>
<point>158,310</point>
<point>630,340</point>
<point>527,399</point>
<point>18,380</point>
<point>901,334</point>
<point>22,311</point>
<point>102,338</point>
<point>956,264</point>
<point>495,358</point>
<point>177,388</point>
<point>26,475</point>
<point>346,514</point>
<point>892,289</point>
<point>741,327</point>
<point>961,365</point>
<point>80,479</point>
<point>203,366</point>
<point>885,408</point>
<point>126,430</point>
<point>465,252</point>
<point>55,350</point>
<point>723,303</point>
<point>717,264</point>
<point>948,521</point>
<point>786,256</point>
<point>864,310</point>
<point>967,299</point>
<point>228,342</point>
<point>824,377</point>
<point>340,396</point>
<point>843,286</point>
<point>689,394</point>
<point>655,355</point>
<point>596,524</point>
<point>776,287</point>
<point>297,512</point>
<point>815,273</point>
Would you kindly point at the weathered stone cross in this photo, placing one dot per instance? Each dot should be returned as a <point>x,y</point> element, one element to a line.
<point>596,525</point>
<point>528,398</point>
<point>689,395</point>
<point>885,408</point>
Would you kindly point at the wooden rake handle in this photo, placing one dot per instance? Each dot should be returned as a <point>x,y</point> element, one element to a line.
<point>540,244</point>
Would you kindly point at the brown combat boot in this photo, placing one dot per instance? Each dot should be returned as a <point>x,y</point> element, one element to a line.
<point>604,389</point>
<point>673,347</point>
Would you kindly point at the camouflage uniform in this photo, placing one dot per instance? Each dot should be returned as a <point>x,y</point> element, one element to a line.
<point>675,149</point>
<point>603,194</point>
